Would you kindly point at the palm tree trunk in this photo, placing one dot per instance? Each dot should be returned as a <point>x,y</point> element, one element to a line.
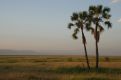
<point>85,49</point>
<point>97,53</point>
<point>97,56</point>
<point>87,60</point>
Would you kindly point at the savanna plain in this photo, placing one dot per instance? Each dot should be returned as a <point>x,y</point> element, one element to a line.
<point>59,67</point>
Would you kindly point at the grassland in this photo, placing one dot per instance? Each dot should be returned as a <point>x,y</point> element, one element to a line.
<point>58,68</point>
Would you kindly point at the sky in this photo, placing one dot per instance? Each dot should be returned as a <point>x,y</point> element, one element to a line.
<point>42,25</point>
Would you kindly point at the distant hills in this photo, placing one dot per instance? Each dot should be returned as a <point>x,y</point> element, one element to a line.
<point>16,52</point>
<point>41,52</point>
<point>52,52</point>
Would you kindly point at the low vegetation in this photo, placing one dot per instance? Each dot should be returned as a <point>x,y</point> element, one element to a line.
<point>58,68</point>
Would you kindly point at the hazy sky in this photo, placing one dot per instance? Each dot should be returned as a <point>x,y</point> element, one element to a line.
<point>42,25</point>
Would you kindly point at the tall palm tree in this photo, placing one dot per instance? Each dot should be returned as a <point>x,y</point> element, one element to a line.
<point>98,16</point>
<point>78,21</point>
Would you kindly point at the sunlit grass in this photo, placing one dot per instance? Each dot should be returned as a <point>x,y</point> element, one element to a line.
<point>58,68</point>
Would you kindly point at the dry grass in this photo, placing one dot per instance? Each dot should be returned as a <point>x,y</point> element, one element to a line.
<point>57,68</point>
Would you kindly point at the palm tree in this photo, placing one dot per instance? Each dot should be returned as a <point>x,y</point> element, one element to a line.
<point>78,21</point>
<point>98,16</point>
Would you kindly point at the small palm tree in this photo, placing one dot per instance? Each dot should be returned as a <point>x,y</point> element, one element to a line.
<point>98,16</point>
<point>78,21</point>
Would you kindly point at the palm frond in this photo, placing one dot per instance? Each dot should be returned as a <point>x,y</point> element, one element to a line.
<point>106,15</point>
<point>76,30</point>
<point>92,10</point>
<point>106,10</point>
<point>70,25</point>
<point>79,24</point>
<point>74,17</point>
<point>85,14</point>
<point>109,24</point>
<point>99,9</point>
<point>80,15</point>
<point>89,28</point>
<point>74,35</point>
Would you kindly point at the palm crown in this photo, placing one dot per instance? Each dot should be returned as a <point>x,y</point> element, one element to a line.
<point>98,15</point>
<point>78,21</point>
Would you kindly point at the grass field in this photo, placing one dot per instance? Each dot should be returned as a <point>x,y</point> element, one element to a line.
<point>58,68</point>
